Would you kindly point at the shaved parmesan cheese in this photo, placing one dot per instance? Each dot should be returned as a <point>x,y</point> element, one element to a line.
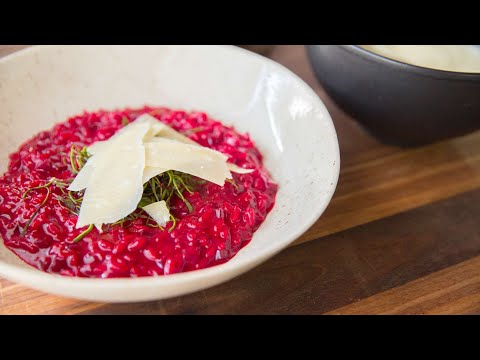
<point>151,171</point>
<point>155,126</point>
<point>169,133</point>
<point>81,180</point>
<point>239,170</point>
<point>163,130</point>
<point>83,177</point>
<point>115,185</point>
<point>195,160</point>
<point>115,173</point>
<point>97,147</point>
<point>158,212</point>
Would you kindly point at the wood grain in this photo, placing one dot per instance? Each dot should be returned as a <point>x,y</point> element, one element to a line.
<point>399,182</point>
<point>8,49</point>
<point>17,299</point>
<point>390,223</point>
<point>455,290</point>
<point>323,275</point>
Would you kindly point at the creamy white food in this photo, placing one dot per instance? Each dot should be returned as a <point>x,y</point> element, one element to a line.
<point>457,58</point>
<point>159,212</point>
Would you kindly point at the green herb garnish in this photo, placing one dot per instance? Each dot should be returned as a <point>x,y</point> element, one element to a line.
<point>174,221</point>
<point>78,158</point>
<point>193,130</point>
<point>53,181</point>
<point>125,121</point>
<point>168,184</point>
<point>233,183</point>
<point>23,232</point>
<point>161,187</point>
<point>83,234</point>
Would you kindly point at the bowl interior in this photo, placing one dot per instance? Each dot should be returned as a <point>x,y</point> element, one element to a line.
<point>44,85</point>
<point>406,66</point>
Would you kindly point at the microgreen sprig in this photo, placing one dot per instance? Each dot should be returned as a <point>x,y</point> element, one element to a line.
<point>168,184</point>
<point>46,186</point>
<point>83,234</point>
<point>78,158</point>
<point>24,231</point>
<point>233,183</point>
<point>161,187</point>
<point>125,121</point>
<point>193,130</point>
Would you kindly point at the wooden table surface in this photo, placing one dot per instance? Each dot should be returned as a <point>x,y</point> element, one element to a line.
<point>401,236</point>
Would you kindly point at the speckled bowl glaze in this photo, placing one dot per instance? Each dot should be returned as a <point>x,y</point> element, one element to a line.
<point>43,85</point>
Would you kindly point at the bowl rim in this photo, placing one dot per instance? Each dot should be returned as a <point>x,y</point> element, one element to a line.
<point>417,69</point>
<point>21,273</point>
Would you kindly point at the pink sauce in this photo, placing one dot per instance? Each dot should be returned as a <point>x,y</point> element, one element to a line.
<point>221,223</point>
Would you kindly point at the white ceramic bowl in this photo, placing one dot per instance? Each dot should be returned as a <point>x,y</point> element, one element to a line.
<point>43,85</point>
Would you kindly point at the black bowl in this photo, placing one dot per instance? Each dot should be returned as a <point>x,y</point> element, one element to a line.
<point>398,103</point>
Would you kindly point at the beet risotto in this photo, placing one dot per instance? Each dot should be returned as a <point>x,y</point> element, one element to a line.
<point>206,223</point>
